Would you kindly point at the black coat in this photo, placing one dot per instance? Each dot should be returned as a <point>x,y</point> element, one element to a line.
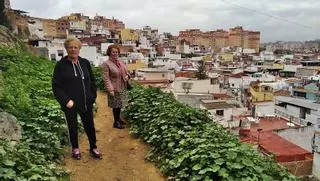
<point>69,83</point>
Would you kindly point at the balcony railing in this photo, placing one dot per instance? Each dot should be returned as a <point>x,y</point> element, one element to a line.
<point>282,112</point>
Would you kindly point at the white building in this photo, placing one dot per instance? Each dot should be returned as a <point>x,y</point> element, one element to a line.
<point>90,53</point>
<point>100,30</point>
<point>78,25</point>
<point>153,74</point>
<point>195,49</point>
<point>35,28</point>
<point>267,56</point>
<point>135,56</point>
<point>183,48</point>
<point>196,86</point>
<point>304,112</point>
<point>222,112</point>
<point>167,64</point>
<point>172,56</point>
<point>56,53</point>
<point>291,68</point>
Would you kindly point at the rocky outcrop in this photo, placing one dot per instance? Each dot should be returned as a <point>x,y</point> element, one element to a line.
<point>10,129</point>
<point>6,37</point>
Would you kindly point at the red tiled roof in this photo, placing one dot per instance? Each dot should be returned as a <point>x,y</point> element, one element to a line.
<point>238,75</point>
<point>184,74</point>
<point>269,124</point>
<point>271,143</point>
<point>283,150</point>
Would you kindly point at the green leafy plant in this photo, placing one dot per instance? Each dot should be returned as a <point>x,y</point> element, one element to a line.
<point>97,71</point>
<point>187,145</point>
<point>26,93</point>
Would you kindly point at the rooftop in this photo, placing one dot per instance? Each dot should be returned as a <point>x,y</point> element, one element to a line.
<point>221,96</point>
<point>298,102</point>
<point>271,143</point>
<point>270,124</point>
<point>218,105</point>
<point>283,150</point>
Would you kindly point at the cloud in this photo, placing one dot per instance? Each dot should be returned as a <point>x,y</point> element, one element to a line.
<point>276,20</point>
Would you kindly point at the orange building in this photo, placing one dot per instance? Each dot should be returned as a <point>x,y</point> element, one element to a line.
<point>113,24</point>
<point>220,38</point>
<point>49,28</point>
<point>190,35</point>
<point>238,37</point>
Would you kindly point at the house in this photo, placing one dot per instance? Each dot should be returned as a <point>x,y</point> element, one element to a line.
<point>289,70</point>
<point>305,72</point>
<point>191,91</point>
<point>154,74</point>
<point>263,133</point>
<point>301,111</point>
<point>310,91</point>
<point>260,93</point>
<point>222,111</point>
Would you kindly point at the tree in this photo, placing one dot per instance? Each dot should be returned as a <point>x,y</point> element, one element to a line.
<point>201,73</point>
<point>3,17</point>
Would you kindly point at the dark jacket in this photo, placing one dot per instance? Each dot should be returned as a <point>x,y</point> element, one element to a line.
<point>74,82</point>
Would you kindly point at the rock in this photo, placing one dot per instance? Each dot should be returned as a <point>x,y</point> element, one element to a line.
<point>10,129</point>
<point>6,37</point>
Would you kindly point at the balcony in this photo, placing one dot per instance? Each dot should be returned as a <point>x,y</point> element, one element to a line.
<point>283,112</point>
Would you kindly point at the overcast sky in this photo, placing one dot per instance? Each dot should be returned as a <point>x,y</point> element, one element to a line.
<point>287,20</point>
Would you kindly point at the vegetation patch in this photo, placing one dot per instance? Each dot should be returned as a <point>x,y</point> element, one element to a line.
<point>187,145</point>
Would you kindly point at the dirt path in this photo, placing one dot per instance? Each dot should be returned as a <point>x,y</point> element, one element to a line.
<point>123,155</point>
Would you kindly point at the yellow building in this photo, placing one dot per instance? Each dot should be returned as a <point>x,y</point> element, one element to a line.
<point>135,66</point>
<point>227,57</point>
<point>260,93</point>
<point>278,66</point>
<point>129,35</point>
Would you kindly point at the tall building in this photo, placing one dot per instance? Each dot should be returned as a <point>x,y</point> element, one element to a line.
<point>238,37</point>
<point>190,35</point>
<point>254,40</point>
<point>220,38</point>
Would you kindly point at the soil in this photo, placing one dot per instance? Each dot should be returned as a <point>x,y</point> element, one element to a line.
<point>123,155</point>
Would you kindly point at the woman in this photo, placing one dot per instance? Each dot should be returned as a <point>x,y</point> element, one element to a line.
<point>74,87</point>
<point>115,77</point>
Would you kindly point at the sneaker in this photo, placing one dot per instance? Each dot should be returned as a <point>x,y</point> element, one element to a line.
<point>94,153</point>
<point>118,125</point>
<point>76,154</point>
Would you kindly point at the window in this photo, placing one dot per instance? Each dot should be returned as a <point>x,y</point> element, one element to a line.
<point>60,53</point>
<point>53,57</point>
<point>219,112</point>
<point>214,81</point>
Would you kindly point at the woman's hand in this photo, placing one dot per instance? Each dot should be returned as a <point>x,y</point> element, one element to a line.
<point>112,93</point>
<point>70,104</point>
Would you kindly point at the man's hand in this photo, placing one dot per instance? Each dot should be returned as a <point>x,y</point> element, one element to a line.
<point>70,104</point>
